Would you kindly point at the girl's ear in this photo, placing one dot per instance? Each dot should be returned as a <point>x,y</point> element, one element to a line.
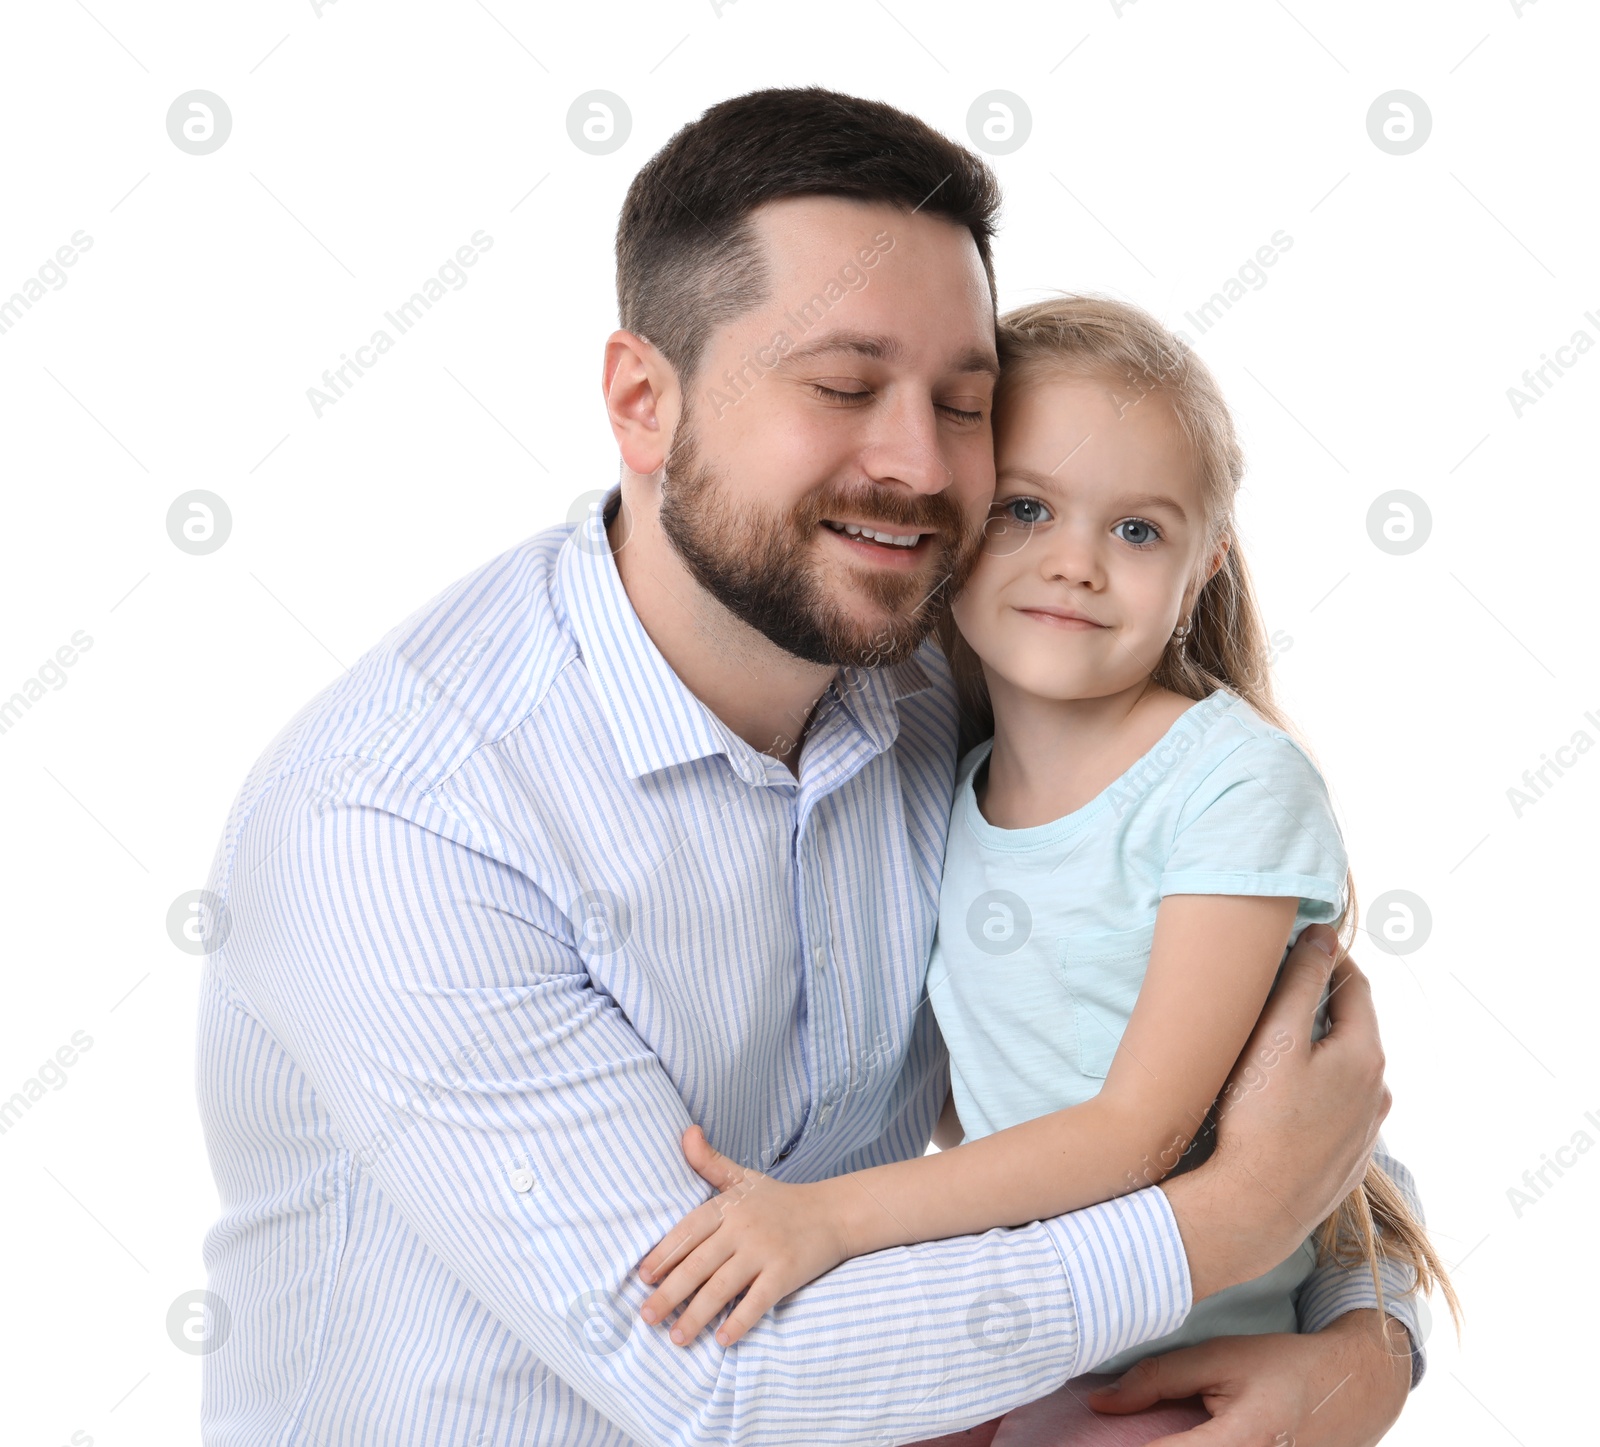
<point>1207,572</point>
<point>1217,558</point>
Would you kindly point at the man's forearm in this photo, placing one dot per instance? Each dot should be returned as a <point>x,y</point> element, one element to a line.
<point>1333,1290</point>
<point>1225,1244</point>
<point>1294,1135</point>
<point>1369,1376</point>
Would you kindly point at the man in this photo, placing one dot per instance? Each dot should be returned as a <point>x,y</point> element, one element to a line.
<point>640,825</point>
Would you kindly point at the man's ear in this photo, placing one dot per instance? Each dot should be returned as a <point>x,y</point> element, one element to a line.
<point>642,400</point>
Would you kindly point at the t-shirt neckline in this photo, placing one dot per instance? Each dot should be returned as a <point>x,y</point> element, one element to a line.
<point>1126,786</point>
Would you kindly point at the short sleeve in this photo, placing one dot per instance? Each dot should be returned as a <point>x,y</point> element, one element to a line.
<point>1261,823</point>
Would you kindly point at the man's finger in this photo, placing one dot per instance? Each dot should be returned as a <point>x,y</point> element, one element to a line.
<point>1186,1372</point>
<point>1294,1000</point>
<point>1350,1008</point>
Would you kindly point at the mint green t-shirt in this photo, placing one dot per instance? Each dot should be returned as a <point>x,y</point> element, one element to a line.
<point>1045,933</point>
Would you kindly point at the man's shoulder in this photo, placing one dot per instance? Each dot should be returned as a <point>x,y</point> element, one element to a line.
<point>459,672</point>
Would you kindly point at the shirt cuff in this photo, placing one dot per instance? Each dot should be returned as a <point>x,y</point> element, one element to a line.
<point>1127,1271</point>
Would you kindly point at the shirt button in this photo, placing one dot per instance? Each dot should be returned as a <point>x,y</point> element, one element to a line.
<point>522,1180</point>
<point>820,955</point>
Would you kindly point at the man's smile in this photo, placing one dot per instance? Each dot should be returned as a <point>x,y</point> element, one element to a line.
<point>886,546</point>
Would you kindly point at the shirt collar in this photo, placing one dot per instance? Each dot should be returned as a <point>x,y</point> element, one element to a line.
<point>655,721</point>
<point>871,696</point>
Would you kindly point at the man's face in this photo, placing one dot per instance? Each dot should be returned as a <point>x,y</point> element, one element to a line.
<point>857,396</point>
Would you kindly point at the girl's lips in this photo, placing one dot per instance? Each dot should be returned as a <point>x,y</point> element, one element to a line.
<point>1057,621</point>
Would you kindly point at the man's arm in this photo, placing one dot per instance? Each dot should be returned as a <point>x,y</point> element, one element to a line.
<point>1333,1290</point>
<point>1343,1386</point>
<point>1296,1125</point>
<point>1343,1381</point>
<point>517,1122</point>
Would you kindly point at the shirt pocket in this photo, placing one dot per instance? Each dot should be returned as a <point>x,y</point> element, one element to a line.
<point>1102,974</point>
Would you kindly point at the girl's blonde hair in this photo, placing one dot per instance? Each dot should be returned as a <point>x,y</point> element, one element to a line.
<point>1226,647</point>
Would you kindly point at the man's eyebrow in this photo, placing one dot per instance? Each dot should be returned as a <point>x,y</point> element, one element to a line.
<point>1048,482</point>
<point>887,349</point>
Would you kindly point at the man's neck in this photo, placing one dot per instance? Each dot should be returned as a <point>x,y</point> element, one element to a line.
<point>764,695</point>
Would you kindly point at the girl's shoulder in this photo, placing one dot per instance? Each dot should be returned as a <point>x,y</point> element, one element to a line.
<point>1241,726</point>
<point>1252,815</point>
<point>1235,744</point>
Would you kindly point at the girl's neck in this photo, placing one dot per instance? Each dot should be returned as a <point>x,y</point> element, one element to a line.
<point>1052,756</point>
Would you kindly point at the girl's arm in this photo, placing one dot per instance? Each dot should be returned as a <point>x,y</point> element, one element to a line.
<point>948,1132</point>
<point>1211,966</point>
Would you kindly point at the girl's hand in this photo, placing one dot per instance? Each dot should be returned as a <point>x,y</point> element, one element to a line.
<point>765,1235</point>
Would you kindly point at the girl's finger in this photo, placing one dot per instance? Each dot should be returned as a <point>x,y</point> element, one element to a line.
<point>690,1273</point>
<point>758,1301</point>
<point>708,1162</point>
<point>679,1241</point>
<point>725,1284</point>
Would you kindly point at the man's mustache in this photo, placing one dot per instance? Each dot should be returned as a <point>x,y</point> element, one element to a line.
<point>937,513</point>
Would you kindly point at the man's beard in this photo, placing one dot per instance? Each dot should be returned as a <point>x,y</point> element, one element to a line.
<point>765,571</point>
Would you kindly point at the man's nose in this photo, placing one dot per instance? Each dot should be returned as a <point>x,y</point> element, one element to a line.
<point>905,445</point>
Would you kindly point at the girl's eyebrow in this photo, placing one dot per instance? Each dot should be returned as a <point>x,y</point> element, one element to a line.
<point>1155,500</point>
<point>1029,476</point>
<point>1044,482</point>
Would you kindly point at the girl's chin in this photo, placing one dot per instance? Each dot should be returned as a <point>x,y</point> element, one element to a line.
<point>1032,670</point>
<point>1034,677</point>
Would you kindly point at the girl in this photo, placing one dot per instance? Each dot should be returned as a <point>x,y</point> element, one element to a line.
<point>1129,856</point>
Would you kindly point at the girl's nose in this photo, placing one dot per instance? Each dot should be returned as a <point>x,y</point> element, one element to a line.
<point>1072,558</point>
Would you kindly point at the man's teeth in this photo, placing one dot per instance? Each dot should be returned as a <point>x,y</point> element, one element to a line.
<point>893,540</point>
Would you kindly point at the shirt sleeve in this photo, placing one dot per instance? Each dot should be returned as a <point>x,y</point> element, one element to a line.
<point>513,1116</point>
<point>1260,823</point>
<point>1332,1290</point>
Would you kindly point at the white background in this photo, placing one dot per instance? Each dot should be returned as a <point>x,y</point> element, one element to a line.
<point>1167,144</point>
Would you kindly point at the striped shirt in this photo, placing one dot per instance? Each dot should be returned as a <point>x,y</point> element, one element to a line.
<point>494,918</point>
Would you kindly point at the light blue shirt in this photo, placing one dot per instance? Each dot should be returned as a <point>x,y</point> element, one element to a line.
<point>498,914</point>
<point>1045,932</point>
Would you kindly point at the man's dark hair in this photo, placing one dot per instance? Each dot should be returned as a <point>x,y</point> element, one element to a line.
<point>688,259</point>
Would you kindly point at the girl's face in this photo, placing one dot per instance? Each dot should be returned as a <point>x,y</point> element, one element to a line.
<point>1095,542</point>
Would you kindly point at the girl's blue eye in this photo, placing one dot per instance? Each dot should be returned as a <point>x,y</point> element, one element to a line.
<point>1032,511</point>
<point>1137,532</point>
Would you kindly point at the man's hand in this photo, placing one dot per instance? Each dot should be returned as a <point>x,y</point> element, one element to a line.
<point>1296,1124</point>
<point>1340,1387</point>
